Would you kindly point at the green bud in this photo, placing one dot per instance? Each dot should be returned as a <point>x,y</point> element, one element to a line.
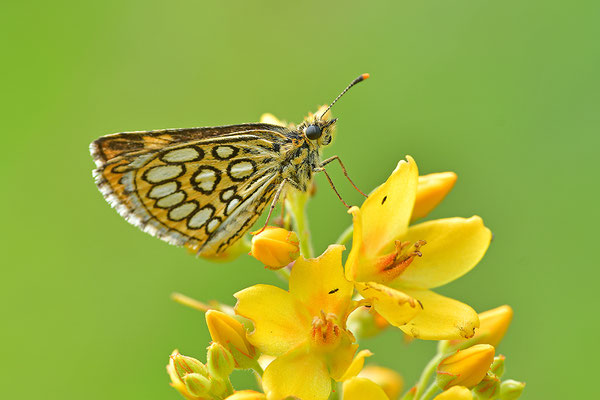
<point>511,390</point>
<point>488,388</point>
<point>220,362</point>
<point>497,367</point>
<point>184,365</point>
<point>197,384</point>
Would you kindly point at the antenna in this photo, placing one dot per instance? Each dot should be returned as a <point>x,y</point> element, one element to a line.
<point>354,82</point>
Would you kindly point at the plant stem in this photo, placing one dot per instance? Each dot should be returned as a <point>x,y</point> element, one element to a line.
<point>296,205</point>
<point>431,390</point>
<point>346,235</point>
<point>426,375</point>
<point>189,302</point>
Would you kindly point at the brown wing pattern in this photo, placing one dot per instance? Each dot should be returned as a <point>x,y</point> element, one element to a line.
<point>202,192</point>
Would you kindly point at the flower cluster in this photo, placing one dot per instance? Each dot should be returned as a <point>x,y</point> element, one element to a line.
<point>303,342</point>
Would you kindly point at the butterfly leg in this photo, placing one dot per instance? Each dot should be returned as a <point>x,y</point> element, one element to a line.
<point>331,184</point>
<point>273,204</point>
<point>330,159</point>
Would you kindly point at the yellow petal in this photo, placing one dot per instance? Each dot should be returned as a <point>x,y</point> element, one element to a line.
<point>268,118</point>
<point>340,360</point>
<point>389,380</point>
<point>431,190</point>
<point>441,318</point>
<point>386,212</point>
<point>280,321</point>
<point>363,388</point>
<point>246,395</point>
<point>298,373</point>
<point>454,246</point>
<point>455,393</point>
<point>319,283</point>
<point>356,257</point>
<point>396,307</point>
<point>356,366</point>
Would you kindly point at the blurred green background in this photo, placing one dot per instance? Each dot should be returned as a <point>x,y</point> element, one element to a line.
<point>505,93</point>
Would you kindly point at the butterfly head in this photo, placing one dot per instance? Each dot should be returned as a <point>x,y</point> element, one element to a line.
<point>319,129</point>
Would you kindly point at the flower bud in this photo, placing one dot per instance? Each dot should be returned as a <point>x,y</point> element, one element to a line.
<point>181,366</point>
<point>246,395</point>
<point>431,190</point>
<point>365,322</point>
<point>219,361</point>
<point>390,381</point>
<point>488,388</point>
<point>497,367</point>
<point>465,367</point>
<point>455,393</point>
<point>275,247</point>
<point>493,324</point>
<point>511,390</point>
<point>231,333</point>
<point>184,365</point>
<point>196,384</point>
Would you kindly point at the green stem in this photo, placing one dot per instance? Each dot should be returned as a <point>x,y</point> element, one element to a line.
<point>427,374</point>
<point>258,369</point>
<point>346,235</point>
<point>431,390</point>
<point>283,273</point>
<point>296,205</point>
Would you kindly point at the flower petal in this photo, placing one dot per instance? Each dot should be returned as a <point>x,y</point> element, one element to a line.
<point>431,190</point>
<point>363,388</point>
<point>455,393</point>
<point>396,307</point>
<point>441,318</point>
<point>298,373</point>
<point>356,366</point>
<point>285,325</point>
<point>454,246</point>
<point>319,283</point>
<point>387,210</point>
<point>269,118</point>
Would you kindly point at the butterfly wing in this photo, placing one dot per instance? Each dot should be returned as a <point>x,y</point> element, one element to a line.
<point>199,187</point>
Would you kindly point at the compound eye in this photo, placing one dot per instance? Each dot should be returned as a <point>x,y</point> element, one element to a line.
<point>313,132</point>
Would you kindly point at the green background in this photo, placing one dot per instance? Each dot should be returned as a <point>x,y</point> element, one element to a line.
<point>505,93</point>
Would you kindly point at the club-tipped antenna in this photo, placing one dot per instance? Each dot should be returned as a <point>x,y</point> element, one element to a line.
<point>354,82</point>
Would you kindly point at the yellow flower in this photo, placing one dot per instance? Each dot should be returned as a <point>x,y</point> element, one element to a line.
<point>389,380</point>
<point>186,373</point>
<point>231,333</point>
<point>455,393</point>
<point>304,328</point>
<point>465,367</point>
<point>395,265</point>
<point>275,247</point>
<point>493,325</point>
<point>246,395</point>
<point>363,388</point>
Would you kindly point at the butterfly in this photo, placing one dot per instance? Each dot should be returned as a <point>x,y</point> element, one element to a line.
<point>203,188</point>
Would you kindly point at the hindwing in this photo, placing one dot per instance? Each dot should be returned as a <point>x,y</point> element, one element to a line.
<point>200,187</point>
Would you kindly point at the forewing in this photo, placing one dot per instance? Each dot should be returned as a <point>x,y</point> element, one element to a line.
<point>201,191</point>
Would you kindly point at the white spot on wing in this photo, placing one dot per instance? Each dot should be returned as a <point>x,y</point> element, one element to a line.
<point>180,212</point>
<point>232,205</point>
<point>181,155</point>
<point>171,200</point>
<point>200,217</point>
<point>206,180</point>
<point>227,194</point>
<point>224,151</point>
<point>163,173</point>
<point>212,225</point>
<point>162,190</point>
<point>241,169</point>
